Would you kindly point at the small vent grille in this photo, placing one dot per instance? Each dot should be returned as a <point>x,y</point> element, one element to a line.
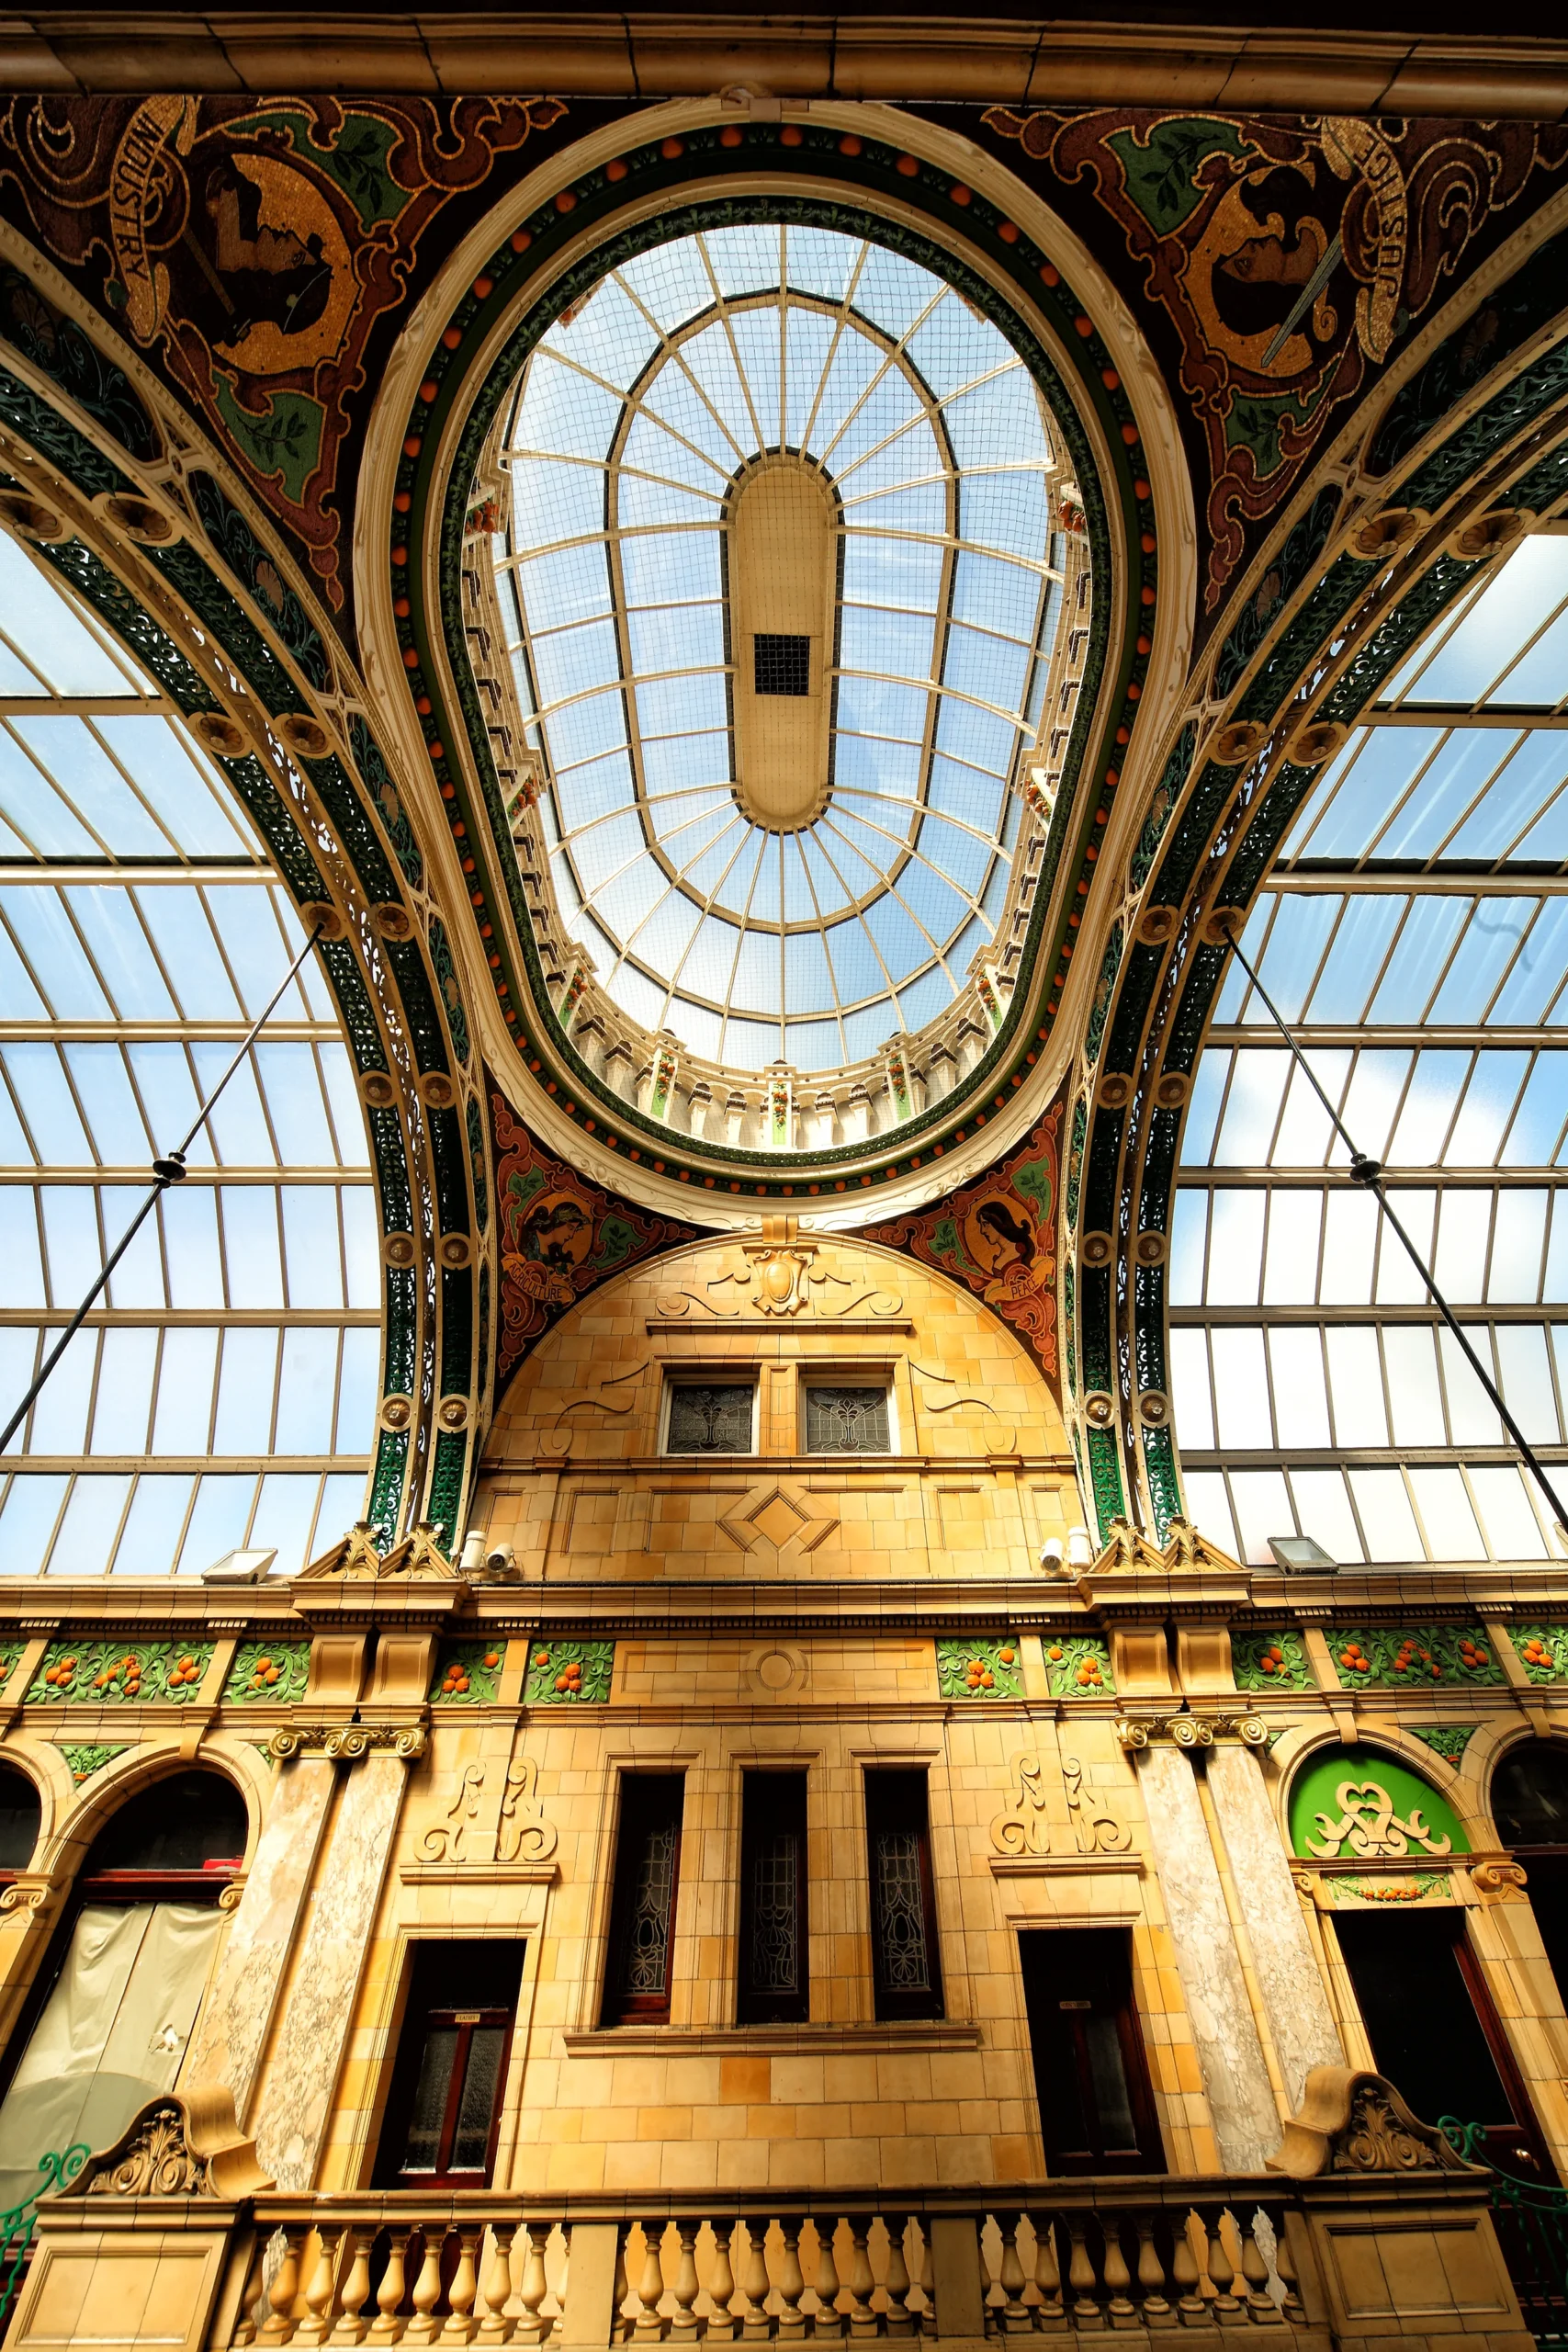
<point>781,665</point>
<point>711,1420</point>
<point>846,1420</point>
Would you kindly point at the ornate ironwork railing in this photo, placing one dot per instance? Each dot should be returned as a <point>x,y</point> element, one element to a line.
<point>1531,2220</point>
<point>18,2223</point>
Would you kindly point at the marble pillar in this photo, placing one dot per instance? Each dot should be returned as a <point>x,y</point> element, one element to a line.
<point>237,2015</point>
<point>1236,2079</point>
<point>1295,2004</point>
<point>312,2038</point>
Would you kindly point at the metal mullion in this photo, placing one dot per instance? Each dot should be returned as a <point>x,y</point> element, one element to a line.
<point>1388,955</point>
<point>16,1101</point>
<point>1508,972</point>
<point>110,1032</point>
<point>1531,717</point>
<point>119,1173</point>
<point>135,790</point>
<point>877,530</point>
<point>890,889</point>
<point>740,939</point>
<point>1223,1110</point>
<point>666,481</point>
<point>1325,878</point>
<point>187,1465</point>
<point>148,873</point>
<point>59,791</point>
<point>23,959</point>
<point>783,351</point>
<point>1337,1037</point>
<point>712,1004</point>
<point>840,327</point>
<point>1459,612</point>
<point>1525,645</point>
<point>1267,1360</point>
<point>1355,1457</point>
<point>1271,905</point>
<point>1208,1244</point>
<point>1329,1315</point>
<point>924,415</point>
<point>721,306</point>
<point>1441,1159</point>
<point>1513,1111</point>
<point>1476,798</point>
<point>953,693</point>
<point>784,991</point>
<point>1411,786</point>
<point>1437,988</point>
<point>69,913</point>
<point>1417,1515</point>
<point>47,1552</point>
<point>856,915</point>
<point>893,354</point>
<point>127,1319</point>
<point>1547,1324</point>
<point>1552,797</point>
<point>1301,1178</point>
<point>80,705</point>
<point>822,934</point>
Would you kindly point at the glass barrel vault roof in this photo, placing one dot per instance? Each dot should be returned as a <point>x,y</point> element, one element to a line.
<point>631,592</point>
<point>223,1390</point>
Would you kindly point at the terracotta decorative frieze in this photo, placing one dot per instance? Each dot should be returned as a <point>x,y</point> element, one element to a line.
<point>347,1742</point>
<point>1077,1666</point>
<point>1447,1740</point>
<point>1404,1658</point>
<point>100,1674</point>
<point>566,1670</point>
<point>1274,1662</point>
<point>1542,1651</point>
<point>989,1669</point>
<point>467,1674</point>
<point>268,1673</point>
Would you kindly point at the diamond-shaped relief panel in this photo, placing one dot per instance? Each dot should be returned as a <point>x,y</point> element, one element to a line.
<point>781,1521</point>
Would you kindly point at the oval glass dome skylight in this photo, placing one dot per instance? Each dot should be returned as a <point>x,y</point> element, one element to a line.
<point>779,576</point>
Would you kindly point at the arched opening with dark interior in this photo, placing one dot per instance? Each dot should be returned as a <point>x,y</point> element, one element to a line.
<point>113,2007</point>
<point>1529,1806</point>
<point>19,1817</point>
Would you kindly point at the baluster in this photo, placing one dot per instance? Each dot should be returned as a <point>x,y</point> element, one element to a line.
<point>899,2319</point>
<point>648,2326</point>
<point>830,2319</point>
<point>684,2325</point>
<point>278,2325</point>
<point>926,2279</point>
<point>1222,2271</point>
<point>1118,2310</point>
<point>755,2324</point>
<point>387,2326</point>
<point>1156,2310</point>
<point>495,2285</point>
<point>533,2326</point>
<point>424,2327</point>
<point>1285,2271</point>
<point>791,2282</point>
<point>1191,2307</point>
<point>1261,2308</point>
<point>1081,2278</point>
<point>460,2322</point>
<point>620,2325</point>
<point>1047,2274</point>
<point>251,2293</point>
<point>320,2295</point>
<point>558,2325</point>
<point>1014,2315</point>
<point>862,2319</point>
<point>352,2325</point>
<point>721,2283</point>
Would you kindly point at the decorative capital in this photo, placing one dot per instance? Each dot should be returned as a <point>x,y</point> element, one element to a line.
<point>26,1898</point>
<point>1353,2122</point>
<point>347,1742</point>
<point>1192,1730</point>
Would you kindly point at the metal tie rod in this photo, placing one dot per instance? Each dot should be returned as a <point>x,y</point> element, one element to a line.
<point>165,1172</point>
<point>1370,1173</point>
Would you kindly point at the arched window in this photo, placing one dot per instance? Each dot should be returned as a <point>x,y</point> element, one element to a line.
<point>223,1391</point>
<point>1413,931</point>
<point>111,2014</point>
<point>1529,1806</point>
<point>19,1815</point>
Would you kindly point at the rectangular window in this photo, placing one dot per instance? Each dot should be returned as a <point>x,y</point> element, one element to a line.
<point>781,665</point>
<point>642,1907</point>
<point>775,1987</point>
<point>443,2107</point>
<point>712,1416</point>
<point>906,1962</point>
<point>846,1419</point>
<point>1097,2110</point>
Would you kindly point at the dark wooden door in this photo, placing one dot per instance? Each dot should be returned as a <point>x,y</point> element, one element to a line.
<point>1435,2030</point>
<point>1097,2108</point>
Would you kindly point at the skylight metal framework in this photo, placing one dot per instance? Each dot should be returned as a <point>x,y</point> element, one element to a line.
<point>225,1391</point>
<point>1415,934</point>
<point>636,415</point>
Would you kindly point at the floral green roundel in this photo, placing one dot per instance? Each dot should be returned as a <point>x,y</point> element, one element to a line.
<point>1359,1804</point>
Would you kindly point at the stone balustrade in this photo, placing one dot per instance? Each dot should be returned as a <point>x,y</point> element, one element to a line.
<point>1052,2259</point>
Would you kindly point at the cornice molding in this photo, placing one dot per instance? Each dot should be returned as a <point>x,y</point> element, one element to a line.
<point>904,58</point>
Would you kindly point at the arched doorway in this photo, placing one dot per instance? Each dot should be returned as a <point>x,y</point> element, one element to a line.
<point>111,2017</point>
<point>1418,1981</point>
